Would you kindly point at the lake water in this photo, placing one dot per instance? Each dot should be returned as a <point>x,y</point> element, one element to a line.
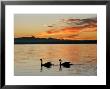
<point>27,59</point>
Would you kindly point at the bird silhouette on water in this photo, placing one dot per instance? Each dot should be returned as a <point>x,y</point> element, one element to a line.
<point>47,64</point>
<point>65,64</point>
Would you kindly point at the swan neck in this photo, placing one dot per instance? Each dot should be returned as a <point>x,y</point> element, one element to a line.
<point>60,62</point>
<point>41,62</point>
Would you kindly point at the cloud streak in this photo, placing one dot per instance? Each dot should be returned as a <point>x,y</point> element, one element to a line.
<point>76,29</point>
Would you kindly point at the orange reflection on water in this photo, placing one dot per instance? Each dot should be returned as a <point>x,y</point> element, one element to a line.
<point>54,52</point>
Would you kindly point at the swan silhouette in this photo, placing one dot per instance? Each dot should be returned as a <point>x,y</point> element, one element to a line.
<point>65,64</point>
<point>47,64</point>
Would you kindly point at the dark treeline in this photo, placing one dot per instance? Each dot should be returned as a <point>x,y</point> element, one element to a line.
<point>32,40</point>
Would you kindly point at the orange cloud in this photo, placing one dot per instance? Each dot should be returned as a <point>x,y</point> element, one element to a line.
<point>85,29</point>
<point>59,32</point>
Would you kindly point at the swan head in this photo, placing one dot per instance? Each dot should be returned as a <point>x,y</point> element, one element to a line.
<point>60,60</point>
<point>41,59</point>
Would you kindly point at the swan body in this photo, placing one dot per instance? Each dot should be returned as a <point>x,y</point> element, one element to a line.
<point>47,64</point>
<point>65,64</point>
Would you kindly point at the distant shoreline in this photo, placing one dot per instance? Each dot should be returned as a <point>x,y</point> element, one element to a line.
<point>58,42</point>
<point>32,40</point>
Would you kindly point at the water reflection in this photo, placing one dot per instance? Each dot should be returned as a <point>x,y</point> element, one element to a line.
<point>45,67</point>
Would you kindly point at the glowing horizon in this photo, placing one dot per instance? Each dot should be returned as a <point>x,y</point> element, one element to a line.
<point>59,26</point>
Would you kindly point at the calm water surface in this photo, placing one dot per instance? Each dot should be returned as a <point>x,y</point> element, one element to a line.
<point>27,59</point>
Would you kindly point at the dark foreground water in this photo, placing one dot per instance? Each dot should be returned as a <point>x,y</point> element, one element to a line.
<point>27,59</point>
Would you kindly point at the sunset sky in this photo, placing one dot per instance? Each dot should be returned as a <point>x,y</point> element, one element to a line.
<point>59,26</point>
